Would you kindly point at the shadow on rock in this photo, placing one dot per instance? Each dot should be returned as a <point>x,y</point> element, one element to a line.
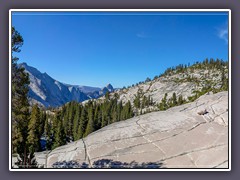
<point>108,163</point>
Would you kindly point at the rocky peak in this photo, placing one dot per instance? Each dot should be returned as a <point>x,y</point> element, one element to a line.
<point>110,87</point>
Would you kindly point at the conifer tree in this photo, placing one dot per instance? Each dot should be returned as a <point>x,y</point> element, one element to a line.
<point>224,81</point>
<point>59,136</point>
<point>149,100</point>
<point>47,132</point>
<point>20,106</point>
<point>119,110</point>
<point>33,139</point>
<point>180,100</point>
<point>163,105</point>
<point>76,123</point>
<point>97,117</point>
<point>66,116</point>
<point>127,111</point>
<point>114,115</point>
<point>136,101</point>
<point>70,119</point>
<point>42,121</point>
<point>105,113</point>
<point>90,123</point>
<point>174,99</point>
<point>82,123</point>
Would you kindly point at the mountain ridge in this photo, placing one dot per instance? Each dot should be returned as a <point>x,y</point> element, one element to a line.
<point>48,92</point>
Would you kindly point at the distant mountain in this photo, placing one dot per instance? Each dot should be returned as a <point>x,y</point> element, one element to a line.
<point>49,92</point>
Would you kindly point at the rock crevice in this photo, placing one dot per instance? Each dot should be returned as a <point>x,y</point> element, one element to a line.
<point>178,138</point>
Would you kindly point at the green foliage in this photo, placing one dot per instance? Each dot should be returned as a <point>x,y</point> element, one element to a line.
<point>76,122</point>
<point>163,104</point>
<point>59,134</point>
<point>68,113</point>
<point>90,123</point>
<point>20,106</point>
<point>33,139</point>
<point>82,123</point>
<point>17,42</point>
<point>180,100</point>
<point>87,118</point>
<point>136,101</point>
<point>47,131</point>
<point>171,102</point>
<point>205,64</point>
<point>147,80</point>
<point>174,99</point>
<point>43,117</point>
<point>224,81</point>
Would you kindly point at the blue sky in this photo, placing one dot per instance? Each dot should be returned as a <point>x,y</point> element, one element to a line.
<point>119,48</point>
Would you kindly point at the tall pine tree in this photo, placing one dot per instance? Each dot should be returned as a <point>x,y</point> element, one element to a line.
<point>20,105</point>
<point>82,123</point>
<point>59,136</point>
<point>90,124</point>
<point>33,140</point>
<point>76,123</point>
<point>47,132</point>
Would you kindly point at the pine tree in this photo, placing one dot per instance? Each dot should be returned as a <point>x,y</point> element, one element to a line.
<point>68,116</point>
<point>136,101</point>
<point>20,106</point>
<point>65,113</point>
<point>33,139</point>
<point>114,115</point>
<point>105,114</point>
<point>224,81</point>
<point>148,101</point>
<point>90,124</point>
<point>119,110</point>
<point>127,111</point>
<point>76,123</point>
<point>174,99</point>
<point>47,132</point>
<point>82,123</point>
<point>144,102</point>
<point>97,117</point>
<point>59,136</point>
<point>180,100</point>
<point>42,122</point>
<point>70,119</point>
<point>147,80</point>
<point>163,105</point>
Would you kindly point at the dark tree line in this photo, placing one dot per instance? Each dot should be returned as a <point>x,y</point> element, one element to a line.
<point>142,101</point>
<point>171,102</point>
<point>181,68</point>
<point>205,64</point>
<point>74,120</point>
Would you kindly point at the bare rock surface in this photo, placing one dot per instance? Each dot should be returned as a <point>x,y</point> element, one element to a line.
<point>176,138</point>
